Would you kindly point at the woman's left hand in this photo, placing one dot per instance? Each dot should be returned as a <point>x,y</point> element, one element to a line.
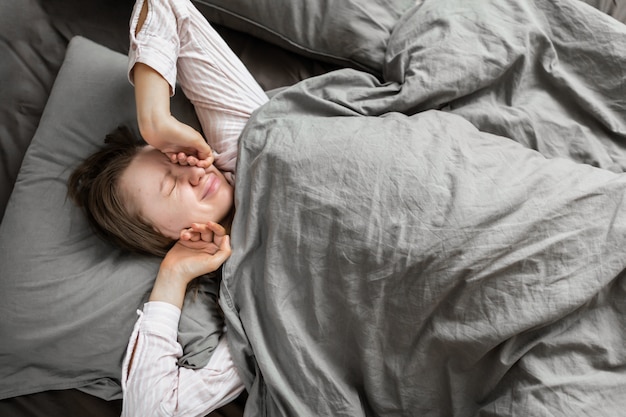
<point>201,249</point>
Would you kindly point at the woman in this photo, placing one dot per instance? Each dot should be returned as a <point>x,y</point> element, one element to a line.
<point>168,198</point>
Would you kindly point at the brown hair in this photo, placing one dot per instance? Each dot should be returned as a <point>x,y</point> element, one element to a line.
<point>94,186</point>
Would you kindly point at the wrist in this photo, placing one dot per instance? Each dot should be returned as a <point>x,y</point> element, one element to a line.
<point>154,125</point>
<point>169,288</point>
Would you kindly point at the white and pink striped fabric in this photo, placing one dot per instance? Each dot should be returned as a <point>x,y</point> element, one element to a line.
<point>157,386</point>
<point>178,42</point>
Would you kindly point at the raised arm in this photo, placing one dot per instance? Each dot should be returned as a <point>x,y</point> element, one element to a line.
<point>179,141</point>
<point>176,41</point>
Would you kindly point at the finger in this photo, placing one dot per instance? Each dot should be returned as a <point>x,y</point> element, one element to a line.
<point>199,246</point>
<point>205,163</point>
<point>199,227</point>
<point>225,246</point>
<point>181,158</point>
<point>217,228</point>
<point>207,236</point>
<point>172,156</point>
<point>190,235</point>
<point>185,234</point>
<point>216,260</point>
<point>177,157</point>
<point>205,152</point>
<point>206,233</point>
<point>226,243</point>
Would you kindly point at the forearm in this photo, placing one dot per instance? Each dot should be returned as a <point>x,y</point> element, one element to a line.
<point>152,98</point>
<point>181,45</point>
<point>156,124</point>
<point>169,288</point>
<point>155,385</point>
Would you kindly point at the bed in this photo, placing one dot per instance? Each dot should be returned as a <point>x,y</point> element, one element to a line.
<point>430,210</point>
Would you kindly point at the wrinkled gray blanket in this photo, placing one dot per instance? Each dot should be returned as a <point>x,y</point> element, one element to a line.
<point>399,248</point>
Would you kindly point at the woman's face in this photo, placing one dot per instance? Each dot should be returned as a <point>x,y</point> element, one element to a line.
<point>171,196</point>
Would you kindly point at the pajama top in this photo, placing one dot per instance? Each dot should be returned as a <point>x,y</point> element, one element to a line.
<point>177,42</point>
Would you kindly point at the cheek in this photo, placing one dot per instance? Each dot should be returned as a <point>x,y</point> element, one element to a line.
<point>167,224</point>
<point>230,198</point>
<point>158,213</point>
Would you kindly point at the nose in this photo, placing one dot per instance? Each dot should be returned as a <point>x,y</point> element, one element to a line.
<point>192,175</point>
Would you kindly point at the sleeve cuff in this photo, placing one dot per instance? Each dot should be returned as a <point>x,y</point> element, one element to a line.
<point>158,56</point>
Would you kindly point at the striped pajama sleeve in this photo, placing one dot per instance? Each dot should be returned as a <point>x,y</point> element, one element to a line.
<point>178,42</point>
<point>152,382</point>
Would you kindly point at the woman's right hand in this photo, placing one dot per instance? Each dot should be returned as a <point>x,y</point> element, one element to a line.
<point>182,143</point>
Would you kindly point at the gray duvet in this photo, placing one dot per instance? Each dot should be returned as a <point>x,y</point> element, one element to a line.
<point>449,239</point>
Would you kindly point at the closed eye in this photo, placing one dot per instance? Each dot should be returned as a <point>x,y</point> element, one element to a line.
<point>168,184</point>
<point>174,182</point>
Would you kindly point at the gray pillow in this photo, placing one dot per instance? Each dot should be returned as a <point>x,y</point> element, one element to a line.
<point>348,32</point>
<point>31,52</point>
<point>68,300</point>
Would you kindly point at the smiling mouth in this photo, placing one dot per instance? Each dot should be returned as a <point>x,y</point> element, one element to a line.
<point>210,186</point>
